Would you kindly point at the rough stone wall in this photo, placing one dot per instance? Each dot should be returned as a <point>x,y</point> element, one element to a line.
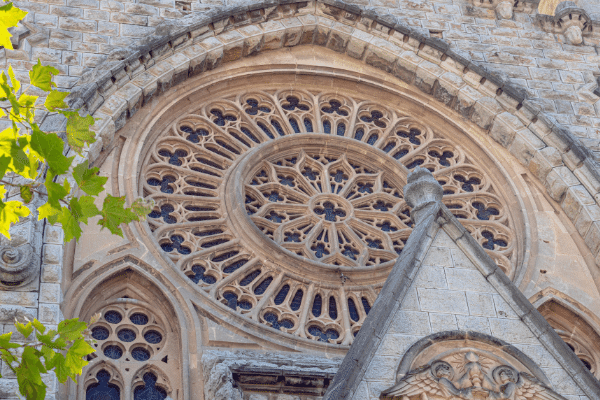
<point>40,298</point>
<point>76,35</point>
<point>450,293</point>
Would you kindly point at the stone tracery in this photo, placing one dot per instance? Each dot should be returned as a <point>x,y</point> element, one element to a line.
<point>318,174</point>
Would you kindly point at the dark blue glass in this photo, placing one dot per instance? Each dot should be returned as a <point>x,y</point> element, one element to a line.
<point>100,333</point>
<point>332,308</point>
<point>297,300</point>
<point>353,310</point>
<point>126,335</point>
<point>140,354</point>
<point>139,319</point>
<point>113,352</point>
<point>317,305</point>
<point>153,337</point>
<point>149,391</point>
<point>103,390</point>
<point>113,317</point>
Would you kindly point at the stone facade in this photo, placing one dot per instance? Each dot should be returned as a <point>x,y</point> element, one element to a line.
<point>275,139</point>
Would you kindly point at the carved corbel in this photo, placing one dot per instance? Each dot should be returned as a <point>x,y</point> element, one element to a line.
<point>569,20</point>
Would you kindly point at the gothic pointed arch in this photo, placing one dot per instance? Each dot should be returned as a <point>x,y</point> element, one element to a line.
<point>575,330</point>
<point>138,331</point>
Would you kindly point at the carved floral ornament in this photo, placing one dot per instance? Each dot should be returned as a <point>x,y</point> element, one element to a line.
<point>286,206</point>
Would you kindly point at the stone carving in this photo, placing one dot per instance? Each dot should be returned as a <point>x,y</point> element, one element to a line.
<point>470,376</point>
<point>570,20</point>
<point>261,193</point>
<point>504,10</point>
<point>17,264</point>
<point>422,190</point>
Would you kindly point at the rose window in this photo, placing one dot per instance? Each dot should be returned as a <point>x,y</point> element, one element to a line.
<point>287,206</point>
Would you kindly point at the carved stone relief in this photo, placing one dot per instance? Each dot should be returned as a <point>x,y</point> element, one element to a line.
<point>470,370</point>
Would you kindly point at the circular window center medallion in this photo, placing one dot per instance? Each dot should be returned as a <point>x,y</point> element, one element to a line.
<point>325,199</point>
<point>330,208</point>
<point>286,206</point>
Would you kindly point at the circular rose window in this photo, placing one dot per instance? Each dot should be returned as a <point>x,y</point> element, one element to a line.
<point>287,206</point>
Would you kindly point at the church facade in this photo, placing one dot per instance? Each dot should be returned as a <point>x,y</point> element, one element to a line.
<point>367,199</point>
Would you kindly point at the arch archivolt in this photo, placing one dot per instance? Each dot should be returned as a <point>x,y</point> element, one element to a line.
<point>493,107</point>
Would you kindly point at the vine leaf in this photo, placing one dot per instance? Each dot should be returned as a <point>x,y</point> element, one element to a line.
<point>9,17</point>
<point>83,208</point>
<point>87,178</point>
<point>41,76</point>
<point>29,374</point>
<point>56,99</point>
<point>10,212</point>
<point>78,130</point>
<point>114,214</point>
<point>50,146</point>
<point>70,223</point>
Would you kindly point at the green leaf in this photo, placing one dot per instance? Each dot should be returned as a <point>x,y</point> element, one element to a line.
<point>10,212</point>
<point>26,194</point>
<point>78,130</point>
<point>142,207</point>
<point>16,84</point>
<point>56,192</point>
<point>12,146</point>
<point>4,162</point>
<point>38,326</point>
<point>83,208</point>
<point>59,365</point>
<point>5,341</point>
<point>88,179</point>
<point>26,103</point>
<point>71,328</point>
<point>25,330</point>
<point>9,17</point>
<point>41,76</point>
<point>114,213</point>
<point>56,100</point>
<point>70,224</point>
<point>29,375</point>
<point>48,211</point>
<point>51,147</point>
<point>75,360</point>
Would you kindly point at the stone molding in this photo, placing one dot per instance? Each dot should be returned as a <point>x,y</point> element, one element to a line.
<point>390,299</point>
<point>129,79</point>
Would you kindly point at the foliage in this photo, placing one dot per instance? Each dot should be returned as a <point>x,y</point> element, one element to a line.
<point>63,350</point>
<point>33,162</point>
